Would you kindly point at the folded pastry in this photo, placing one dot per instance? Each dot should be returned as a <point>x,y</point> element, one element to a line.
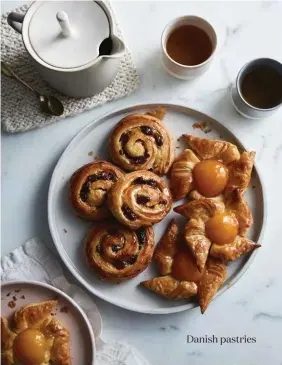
<point>35,338</point>
<point>212,280</point>
<point>139,199</point>
<point>198,243</point>
<point>141,142</point>
<point>166,249</point>
<point>117,253</point>
<point>203,209</point>
<point>181,174</point>
<point>234,250</point>
<point>171,288</point>
<point>89,187</point>
<point>208,149</point>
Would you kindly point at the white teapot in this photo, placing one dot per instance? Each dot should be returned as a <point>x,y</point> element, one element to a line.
<point>72,43</point>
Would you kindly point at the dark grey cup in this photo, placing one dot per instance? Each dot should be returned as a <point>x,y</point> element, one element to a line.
<point>241,105</point>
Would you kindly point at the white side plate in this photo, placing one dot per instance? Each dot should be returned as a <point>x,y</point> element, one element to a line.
<point>68,231</point>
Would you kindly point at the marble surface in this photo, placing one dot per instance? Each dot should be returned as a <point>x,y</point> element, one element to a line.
<point>253,307</point>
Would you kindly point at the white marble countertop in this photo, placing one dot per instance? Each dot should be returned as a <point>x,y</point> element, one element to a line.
<point>253,307</point>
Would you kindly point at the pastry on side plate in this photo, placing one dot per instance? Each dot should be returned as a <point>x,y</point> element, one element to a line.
<point>116,253</point>
<point>212,280</point>
<point>142,142</point>
<point>171,288</point>
<point>139,199</point>
<point>36,337</point>
<point>89,187</point>
<point>212,149</point>
<point>181,174</point>
<point>166,249</point>
<point>201,208</point>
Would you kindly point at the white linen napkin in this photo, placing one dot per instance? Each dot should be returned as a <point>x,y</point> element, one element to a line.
<point>34,261</point>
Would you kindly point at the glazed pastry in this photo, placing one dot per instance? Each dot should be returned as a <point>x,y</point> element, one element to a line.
<point>181,174</point>
<point>166,249</point>
<point>198,243</point>
<point>139,199</point>
<point>202,208</point>
<point>208,149</point>
<point>141,142</point>
<point>171,288</point>
<point>117,253</point>
<point>89,187</point>
<point>239,207</point>
<point>240,173</point>
<point>36,338</point>
<point>234,250</point>
<point>212,280</point>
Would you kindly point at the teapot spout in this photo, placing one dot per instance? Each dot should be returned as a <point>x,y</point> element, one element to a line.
<point>118,48</point>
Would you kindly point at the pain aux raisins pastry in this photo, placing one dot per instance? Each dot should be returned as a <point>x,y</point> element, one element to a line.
<point>36,338</point>
<point>181,277</point>
<point>142,142</point>
<point>117,253</point>
<point>139,199</point>
<point>89,187</point>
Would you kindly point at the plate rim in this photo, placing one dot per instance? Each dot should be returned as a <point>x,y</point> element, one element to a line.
<point>65,296</point>
<point>60,249</point>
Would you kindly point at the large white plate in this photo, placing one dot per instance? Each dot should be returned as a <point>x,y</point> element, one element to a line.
<point>69,231</point>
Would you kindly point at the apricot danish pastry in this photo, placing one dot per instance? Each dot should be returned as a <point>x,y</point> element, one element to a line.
<point>89,188</point>
<point>117,253</point>
<point>139,199</point>
<point>142,142</point>
<point>36,337</point>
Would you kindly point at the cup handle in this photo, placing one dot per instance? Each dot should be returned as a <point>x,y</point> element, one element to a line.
<point>15,21</point>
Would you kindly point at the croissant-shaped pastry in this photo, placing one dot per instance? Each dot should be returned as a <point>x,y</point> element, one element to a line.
<point>234,250</point>
<point>212,280</point>
<point>198,243</point>
<point>166,249</point>
<point>238,206</point>
<point>142,142</point>
<point>181,174</point>
<point>139,199</point>
<point>89,187</point>
<point>171,288</point>
<point>36,338</point>
<point>203,209</point>
<point>117,253</point>
<point>240,173</point>
<point>213,149</point>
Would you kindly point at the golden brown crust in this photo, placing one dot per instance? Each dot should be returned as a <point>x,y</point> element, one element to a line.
<point>139,199</point>
<point>211,281</point>
<point>158,113</point>
<point>234,250</point>
<point>203,209</point>
<point>240,173</point>
<point>142,142</point>
<point>166,249</point>
<point>208,149</point>
<point>181,174</point>
<point>89,186</point>
<point>171,288</point>
<point>239,207</point>
<point>37,316</point>
<point>198,243</point>
<point>117,253</point>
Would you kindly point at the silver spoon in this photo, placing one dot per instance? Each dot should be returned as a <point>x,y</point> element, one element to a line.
<point>48,104</point>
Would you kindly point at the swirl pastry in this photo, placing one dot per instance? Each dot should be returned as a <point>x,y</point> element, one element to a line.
<point>36,337</point>
<point>89,187</point>
<point>117,253</point>
<point>139,199</point>
<point>142,142</point>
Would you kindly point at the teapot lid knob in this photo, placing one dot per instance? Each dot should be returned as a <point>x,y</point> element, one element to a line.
<point>64,22</point>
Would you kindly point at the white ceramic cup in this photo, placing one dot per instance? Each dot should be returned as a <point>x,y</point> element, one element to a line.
<point>185,72</point>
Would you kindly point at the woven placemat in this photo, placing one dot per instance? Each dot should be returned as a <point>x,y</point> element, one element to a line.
<point>20,107</point>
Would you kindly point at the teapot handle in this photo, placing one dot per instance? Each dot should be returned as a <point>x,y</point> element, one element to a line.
<point>15,21</point>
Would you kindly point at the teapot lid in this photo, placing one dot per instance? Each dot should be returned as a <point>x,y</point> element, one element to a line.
<point>67,34</point>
